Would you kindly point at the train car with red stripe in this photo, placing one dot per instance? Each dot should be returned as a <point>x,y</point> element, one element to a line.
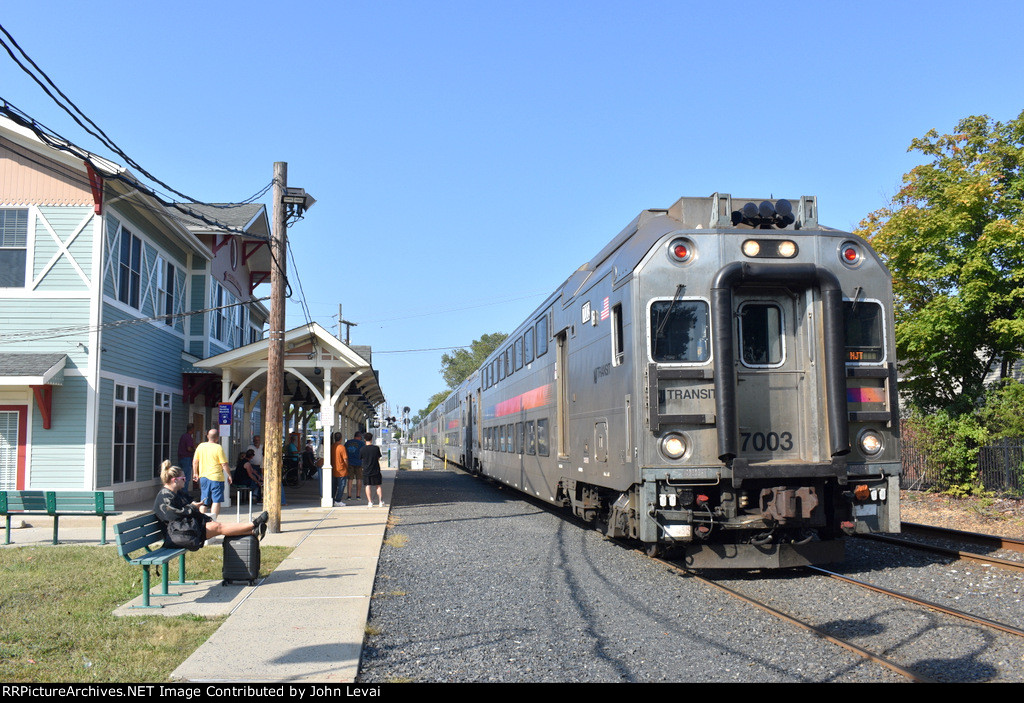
<point>719,380</point>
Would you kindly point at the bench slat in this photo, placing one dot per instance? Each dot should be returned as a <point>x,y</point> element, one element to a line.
<point>140,533</point>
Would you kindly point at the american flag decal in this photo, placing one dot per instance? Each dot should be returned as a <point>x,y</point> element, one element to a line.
<point>604,310</point>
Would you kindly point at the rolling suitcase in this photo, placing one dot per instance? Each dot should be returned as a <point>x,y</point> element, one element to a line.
<point>241,559</point>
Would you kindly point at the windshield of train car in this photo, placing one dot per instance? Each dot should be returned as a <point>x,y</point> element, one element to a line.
<point>864,340</point>
<point>679,331</point>
<point>761,334</point>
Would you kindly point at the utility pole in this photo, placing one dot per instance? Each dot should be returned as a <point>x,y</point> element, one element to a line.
<point>273,441</point>
<point>348,326</point>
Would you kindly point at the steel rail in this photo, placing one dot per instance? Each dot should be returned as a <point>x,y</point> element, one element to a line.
<point>920,601</point>
<point>1008,543</point>
<point>860,651</point>
<point>966,556</point>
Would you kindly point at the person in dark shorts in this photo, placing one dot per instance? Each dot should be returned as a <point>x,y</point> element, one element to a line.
<point>369,457</point>
<point>354,447</point>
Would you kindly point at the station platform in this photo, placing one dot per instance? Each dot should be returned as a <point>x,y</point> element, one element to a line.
<point>303,622</point>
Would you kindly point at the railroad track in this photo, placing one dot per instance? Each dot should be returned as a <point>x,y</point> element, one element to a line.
<point>963,615</point>
<point>801,623</point>
<point>885,661</point>
<point>992,542</point>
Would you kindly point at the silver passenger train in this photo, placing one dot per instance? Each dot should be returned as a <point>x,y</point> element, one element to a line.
<point>719,379</point>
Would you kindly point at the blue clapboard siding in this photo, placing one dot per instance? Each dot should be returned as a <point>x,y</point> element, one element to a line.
<point>47,325</point>
<point>105,433</point>
<point>146,351</point>
<point>59,453</point>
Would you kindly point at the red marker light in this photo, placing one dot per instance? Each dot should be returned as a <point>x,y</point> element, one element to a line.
<point>850,254</point>
<point>681,250</point>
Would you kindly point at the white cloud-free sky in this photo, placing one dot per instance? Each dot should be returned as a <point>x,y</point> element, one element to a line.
<point>467,156</point>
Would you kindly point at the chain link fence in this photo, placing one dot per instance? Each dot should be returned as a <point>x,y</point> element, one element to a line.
<point>1000,466</point>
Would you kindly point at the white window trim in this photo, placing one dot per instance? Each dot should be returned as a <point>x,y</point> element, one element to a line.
<point>125,403</point>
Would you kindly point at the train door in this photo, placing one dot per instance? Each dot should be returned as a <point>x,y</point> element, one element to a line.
<point>470,420</point>
<point>562,386</point>
<point>776,388</point>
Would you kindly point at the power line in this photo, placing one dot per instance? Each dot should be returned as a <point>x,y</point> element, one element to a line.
<point>74,111</point>
<point>72,330</point>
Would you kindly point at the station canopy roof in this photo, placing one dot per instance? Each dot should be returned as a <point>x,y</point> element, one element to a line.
<point>314,361</point>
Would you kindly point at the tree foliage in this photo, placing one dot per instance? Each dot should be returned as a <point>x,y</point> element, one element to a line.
<point>457,366</point>
<point>953,238</point>
<point>434,401</point>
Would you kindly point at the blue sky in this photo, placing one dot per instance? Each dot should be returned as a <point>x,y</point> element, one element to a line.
<point>466,157</point>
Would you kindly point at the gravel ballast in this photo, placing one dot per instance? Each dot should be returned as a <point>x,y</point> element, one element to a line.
<point>477,584</point>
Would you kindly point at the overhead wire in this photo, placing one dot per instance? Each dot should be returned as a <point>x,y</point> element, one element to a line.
<point>54,140</point>
<point>70,330</point>
<point>75,112</point>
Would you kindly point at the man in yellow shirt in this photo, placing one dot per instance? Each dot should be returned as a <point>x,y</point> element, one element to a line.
<point>211,466</point>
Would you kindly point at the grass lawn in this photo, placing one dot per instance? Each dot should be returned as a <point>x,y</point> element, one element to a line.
<point>57,623</point>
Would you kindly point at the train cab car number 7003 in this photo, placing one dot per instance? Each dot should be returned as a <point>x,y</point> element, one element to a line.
<point>719,381</point>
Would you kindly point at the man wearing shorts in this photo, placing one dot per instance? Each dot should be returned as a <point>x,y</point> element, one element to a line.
<point>370,459</point>
<point>211,466</point>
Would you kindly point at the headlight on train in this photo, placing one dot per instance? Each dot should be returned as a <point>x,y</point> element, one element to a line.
<point>870,442</point>
<point>769,249</point>
<point>673,446</point>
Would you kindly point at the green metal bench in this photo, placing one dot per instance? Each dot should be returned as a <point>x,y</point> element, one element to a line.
<point>140,534</point>
<point>57,504</point>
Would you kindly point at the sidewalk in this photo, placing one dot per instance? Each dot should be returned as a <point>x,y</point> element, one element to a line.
<point>303,623</point>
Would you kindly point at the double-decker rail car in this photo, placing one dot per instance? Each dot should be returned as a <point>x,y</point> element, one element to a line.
<point>720,379</point>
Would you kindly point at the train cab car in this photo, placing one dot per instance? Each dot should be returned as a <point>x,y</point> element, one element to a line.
<point>719,380</point>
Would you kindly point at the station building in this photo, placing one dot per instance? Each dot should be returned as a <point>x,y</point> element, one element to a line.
<point>110,303</point>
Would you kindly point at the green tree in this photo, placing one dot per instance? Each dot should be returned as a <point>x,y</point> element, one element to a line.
<point>457,366</point>
<point>953,238</point>
<point>434,401</point>
<point>1003,412</point>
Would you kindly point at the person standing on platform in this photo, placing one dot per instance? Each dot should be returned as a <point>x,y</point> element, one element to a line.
<point>370,459</point>
<point>257,454</point>
<point>186,448</point>
<point>339,469</point>
<point>354,447</point>
<point>211,466</point>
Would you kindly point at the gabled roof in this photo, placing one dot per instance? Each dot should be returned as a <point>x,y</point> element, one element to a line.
<point>26,134</point>
<point>247,217</point>
<point>310,351</point>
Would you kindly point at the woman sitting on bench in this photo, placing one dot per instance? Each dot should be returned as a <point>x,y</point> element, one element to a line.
<point>184,525</point>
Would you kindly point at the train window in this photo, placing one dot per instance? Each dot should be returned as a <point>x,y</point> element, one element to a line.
<point>531,438</point>
<point>528,346</point>
<point>518,353</point>
<point>679,331</point>
<point>761,339</point>
<point>542,336</point>
<point>520,437</point>
<point>500,363</point>
<point>542,437</point>
<point>501,438</point>
<point>508,363</point>
<point>618,341</point>
<point>864,337</point>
